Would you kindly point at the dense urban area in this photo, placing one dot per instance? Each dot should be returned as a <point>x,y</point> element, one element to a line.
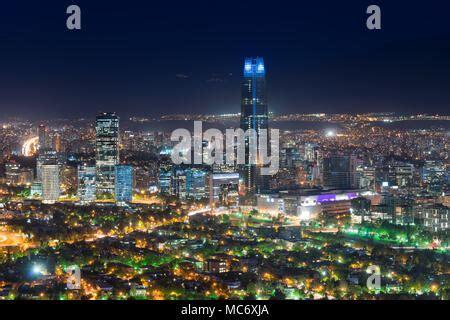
<point>96,209</point>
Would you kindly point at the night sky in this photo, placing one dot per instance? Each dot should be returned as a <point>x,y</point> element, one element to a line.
<point>157,57</point>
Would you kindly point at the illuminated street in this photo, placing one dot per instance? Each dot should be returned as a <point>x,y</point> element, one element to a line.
<point>8,239</point>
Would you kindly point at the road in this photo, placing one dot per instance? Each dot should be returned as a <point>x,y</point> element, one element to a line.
<point>8,239</point>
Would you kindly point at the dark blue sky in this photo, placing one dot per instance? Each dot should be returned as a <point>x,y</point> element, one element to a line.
<point>158,57</point>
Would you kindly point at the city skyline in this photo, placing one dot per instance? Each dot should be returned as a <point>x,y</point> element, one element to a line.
<point>339,206</point>
<point>221,156</point>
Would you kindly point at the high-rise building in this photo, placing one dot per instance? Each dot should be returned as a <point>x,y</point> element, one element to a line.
<point>290,157</point>
<point>254,115</point>
<point>404,174</point>
<point>188,182</point>
<point>12,172</point>
<point>46,156</point>
<point>107,153</point>
<point>339,172</point>
<point>196,183</point>
<point>43,137</point>
<point>144,178</point>
<point>16,175</point>
<point>165,176</point>
<point>224,189</point>
<point>86,183</point>
<point>50,183</point>
<point>310,152</point>
<point>367,177</point>
<point>433,169</point>
<point>124,183</point>
<point>68,177</point>
<point>57,144</point>
<point>433,217</point>
<point>178,182</point>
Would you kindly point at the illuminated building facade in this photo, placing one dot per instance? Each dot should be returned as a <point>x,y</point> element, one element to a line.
<point>86,183</point>
<point>254,115</point>
<point>188,182</point>
<point>50,183</point>
<point>215,266</point>
<point>43,137</point>
<point>15,175</point>
<point>36,190</point>
<point>433,169</point>
<point>433,217</point>
<point>310,152</point>
<point>404,174</point>
<point>165,176</point>
<point>45,156</point>
<point>339,172</point>
<point>273,205</point>
<point>196,183</point>
<point>224,189</point>
<point>107,153</point>
<point>178,182</point>
<point>124,183</point>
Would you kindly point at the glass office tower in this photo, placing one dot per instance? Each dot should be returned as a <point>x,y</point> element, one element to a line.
<point>86,183</point>
<point>254,115</point>
<point>339,172</point>
<point>124,183</point>
<point>107,153</point>
<point>43,137</point>
<point>50,183</point>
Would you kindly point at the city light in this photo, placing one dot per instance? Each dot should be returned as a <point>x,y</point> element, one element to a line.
<point>253,202</point>
<point>330,133</point>
<point>30,146</point>
<point>38,269</point>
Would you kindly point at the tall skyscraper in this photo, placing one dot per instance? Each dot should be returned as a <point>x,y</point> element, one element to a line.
<point>57,144</point>
<point>254,115</point>
<point>223,189</point>
<point>188,182</point>
<point>107,153</point>
<point>46,156</point>
<point>124,183</point>
<point>50,183</point>
<point>43,137</point>
<point>165,176</point>
<point>339,172</point>
<point>86,183</point>
<point>196,183</point>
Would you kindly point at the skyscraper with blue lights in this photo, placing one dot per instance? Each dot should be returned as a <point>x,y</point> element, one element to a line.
<point>124,183</point>
<point>254,115</point>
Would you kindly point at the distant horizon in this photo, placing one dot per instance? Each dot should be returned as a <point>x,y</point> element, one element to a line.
<point>159,117</point>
